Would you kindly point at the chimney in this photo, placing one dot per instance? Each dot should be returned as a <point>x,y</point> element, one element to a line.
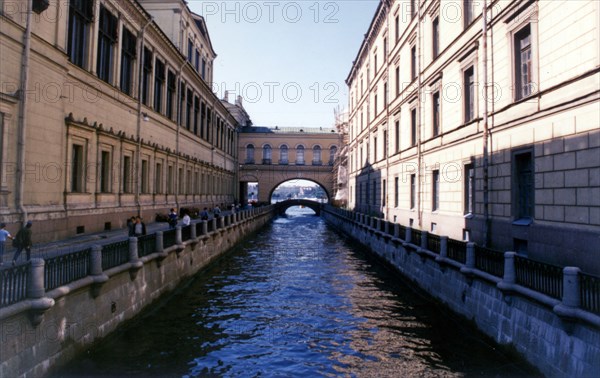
<point>226,96</point>
<point>238,102</point>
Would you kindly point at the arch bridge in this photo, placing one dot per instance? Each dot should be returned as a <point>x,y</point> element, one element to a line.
<point>284,205</point>
<point>272,156</point>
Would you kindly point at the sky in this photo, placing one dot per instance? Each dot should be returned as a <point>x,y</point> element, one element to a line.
<point>288,59</point>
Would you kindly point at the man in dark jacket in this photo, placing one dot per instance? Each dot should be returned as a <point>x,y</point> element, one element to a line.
<point>23,241</point>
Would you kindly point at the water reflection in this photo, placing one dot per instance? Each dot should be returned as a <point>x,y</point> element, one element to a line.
<point>296,300</point>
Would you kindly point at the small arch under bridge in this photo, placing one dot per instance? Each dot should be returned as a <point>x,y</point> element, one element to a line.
<point>284,205</point>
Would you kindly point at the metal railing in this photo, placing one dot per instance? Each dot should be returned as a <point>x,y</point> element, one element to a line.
<point>434,243</point>
<point>186,233</point>
<point>538,276</point>
<point>13,282</point>
<point>589,292</point>
<point>146,245</point>
<point>489,261</point>
<point>61,270</point>
<point>115,254</point>
<point>169,238</point>
<point>457,250</point>
<point>415,236</point>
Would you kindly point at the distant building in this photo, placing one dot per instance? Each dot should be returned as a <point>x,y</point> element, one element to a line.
<point>520,170</point>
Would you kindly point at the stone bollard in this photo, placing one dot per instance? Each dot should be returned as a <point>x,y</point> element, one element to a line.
<point>396,230</point>
<point>424,235</point>
<point>470,263</point>
<point>193,235</point>
<point>571,297</point>
<point>386,228</point>
<point>408,235</point>
<point>510,276</point>
<point>159,242</point>
<point>377,224</point>
<point>178,237</point>
<point>134,258</point>
<point>213,224</point>
<point>96,260</point>
<point>204,227</point>
<point>443,247</point>
<point>35,279</point>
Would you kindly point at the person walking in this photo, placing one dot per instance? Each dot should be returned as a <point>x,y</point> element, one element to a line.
<point>4,234</point>
<point>204,214</point>
<point>186,220</point>
<point>217,211</point>
<point>23,242</point>
<point>173,219</point>
<point>139,228</point>
<point>131,226</point>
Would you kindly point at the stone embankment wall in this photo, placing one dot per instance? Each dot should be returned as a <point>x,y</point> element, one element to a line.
<point>556,336</point>
<point>51,327</point>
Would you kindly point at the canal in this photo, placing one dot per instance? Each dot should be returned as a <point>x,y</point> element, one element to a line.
<point>297,299</point>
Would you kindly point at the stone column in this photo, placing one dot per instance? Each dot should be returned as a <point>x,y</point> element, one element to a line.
<point>386,227</point>
<point>193,231</point>
<point>159,242</point>
<point>396,230</point>
<point>408,234</point>
<point>571,297</point>
<point>96,260</point>
<point>470,263</point>
<point>178,238</point>
<point>443,247</point>
<point>204,227</point>
<point>510,276</point>
<point>213,224</point>
<point>35,279</point>
<point>424,235</point>
<point>133,250</point>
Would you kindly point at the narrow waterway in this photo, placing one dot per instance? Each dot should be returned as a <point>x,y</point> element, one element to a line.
<point>296,300</point>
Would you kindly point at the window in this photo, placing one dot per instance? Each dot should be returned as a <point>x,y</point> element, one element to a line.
<point>413,190</point>
<point>300,155</point>
<point>374,149</point>
<point>385,51</point>
<point>332,154</point>
<point>180,115</point>
<point>396,191</point>
<point>469,89</point>
<point>435,114</point>
<point>181,187</point>
<point>397,27</point>
<point>467,12</point>
<point>384,143</point>
<point>203,73</point>
<point>145,184</point>
<point>197,61</point>
<point>147,74</point>
<point>127,174</point>
<point>523,194</point>
<point>188,110</point>
<point>196,115</point>
<point>128,54</point>
<point>375,62</point>
<point>397,134</point>
<point>413,9</point>
<point>170,180</point>
<point>250,154</point>
<point>397,81</point>
<point>435,190</point>
<point>107,37</point>
<point>413,127</point>
<point>190,55</point>
<point>267,154</point>
<point>158,180</point>
<point>317,156</point>
<point>283,154</point>
<point>77,169</point>
<point>170,94</point>
<point>413,63</point>
<point>469,189</point>
<point>81,15</point>
<point>375,102</point>
<point>383,193</point>
<point>105,172</point>
<point>159,82</point>
<point>435,31</point>
<point>190,182</point>
<point>523,69</point>
<point>385,95</point>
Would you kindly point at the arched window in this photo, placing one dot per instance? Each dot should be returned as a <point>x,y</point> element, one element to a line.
<point>283,154</point>
<point>267,154</point>
<point>332,153</point>
<point>316,155</point>
<point>250,154</point>
<point>300,155</point>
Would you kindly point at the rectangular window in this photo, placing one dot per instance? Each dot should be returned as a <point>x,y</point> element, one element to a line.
<point>190,182</point>
<point>196,115</point>
<point>396,191</point>
<point>145,184</point>
<point>170,180</point>
<point>384,143</point>
<point>197,61</point>
<point>523,170</point>
<point>435,31</point>
<point>146,76</point>
<point>375,62</point>
<point>181,188</point>
<point>435,114</point>
<point>127,174</point>
<point>107,37</point>
<point>413,191</point>
<point>523,69</point>
<point>77,169</point>
<point>397,81</point>
<point>385,51</point>
<point>375,101</point>
<point>170,94</point>
<point>397,27</point>
<point>189,109</point>
<point>435,190</point>
<point>180,115</point>
<point>159,82</point>
<point>413,63</point>
<point>81,15</point>
<point>467,12</point>
<point>158,185</point>
<point>385,95</point>
<point>105,172</point>
<point>203,73</point>
<point>469,189</point>
<point>190,55</point>
<point>397,135</point>
<point>375,149</point>
<point>128,55</point>
<point>469,89</point>
<point>413,9</point>
<point>383,193</point>
<point>413,127</point>
<point>374,193</point>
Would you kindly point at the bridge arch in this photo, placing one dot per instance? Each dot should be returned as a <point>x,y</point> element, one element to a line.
<point>282,206</point>
<point>327,193</point>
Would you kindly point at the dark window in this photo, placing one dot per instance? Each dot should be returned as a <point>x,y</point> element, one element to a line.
<point>385,141</point>
<point>397,135</point>
<point>397,81</point>
<point>170,94</point>
<point>170,180</point>
<point>196,115</point>
<point>469,189</point>
<point>189,109</point>
<point>436,113</point>
<point>435,190</point>
<point>385,95</point>
<point>375,107</point>
<point>81,14</point>
<point>469,89</point>
<point>107,37</point>
<point>396,191</point>
<point>203,73</point>
<point>385,51</point>
<point>190,55</point>
<point>413,127</point>
<point>435,29</point>
<point>468,12</point>
<point>413,63</point>
<point>413,191</point>
<point>413,9</point>
<point>383,193</point>
<point>159,82</point>
<point>202,119</point>
<point>158,187</point>
<point>180,116</point>
<point>267,154</point>
<point>146,77</point>
<point>197,62</point>
<point>250,154</point>
<point>105,172</point>
<point>523,69</point>
<point>317,155</point>
<point>127,174</point>
<point>145,187</point>
<point>397,27</point>
<point>77,169</point>
<point>300,155</point>
<point>283,154</point>
<point>524,185</point>
<point>332,153</point>
<point>128,55</point>
<point>375,62</point>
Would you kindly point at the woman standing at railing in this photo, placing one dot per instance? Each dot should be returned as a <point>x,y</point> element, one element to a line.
<point>3,236</point>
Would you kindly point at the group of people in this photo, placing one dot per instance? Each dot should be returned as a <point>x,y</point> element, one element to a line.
<point>136,226</point>
<point>21,241</point>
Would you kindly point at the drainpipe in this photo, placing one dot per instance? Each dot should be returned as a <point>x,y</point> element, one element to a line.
<point>23,116</point>
<point>419,152</point>
<point>178,126</point>
<point>139,120</point>
<point>486,215</point>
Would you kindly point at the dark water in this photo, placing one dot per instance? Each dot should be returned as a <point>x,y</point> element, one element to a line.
<point>296,300</point>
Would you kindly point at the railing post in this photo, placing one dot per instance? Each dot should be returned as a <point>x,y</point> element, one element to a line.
<point>386,228</point>
<point>35,284</point>
<point>571,296</point>
<point>178,238</point>
<point>443,247</point>
<point>204,227</point>
<point>159,242</point>
<point>96,270</point>
<point>214,224</point>
<point>134,258</point>
<point>510,276</point>
<point>396,230</point>
<point>408,234</point>
<point>193,231</point>
<point>424,235</point>
<point>470,263</point>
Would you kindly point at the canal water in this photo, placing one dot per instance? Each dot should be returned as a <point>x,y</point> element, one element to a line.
<point>296,300</point>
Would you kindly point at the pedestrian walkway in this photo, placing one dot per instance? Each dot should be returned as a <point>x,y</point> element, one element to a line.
<point>80,242</point>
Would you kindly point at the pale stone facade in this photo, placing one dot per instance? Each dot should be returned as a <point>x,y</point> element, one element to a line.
<point>418,118</point>
<point>119,119</point>
<point>272,156</point>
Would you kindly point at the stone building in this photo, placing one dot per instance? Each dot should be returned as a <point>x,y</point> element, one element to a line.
<point>485,130</point>
<point>106,111</point>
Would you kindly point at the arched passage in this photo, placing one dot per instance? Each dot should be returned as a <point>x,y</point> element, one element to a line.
<point>313,189</point>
